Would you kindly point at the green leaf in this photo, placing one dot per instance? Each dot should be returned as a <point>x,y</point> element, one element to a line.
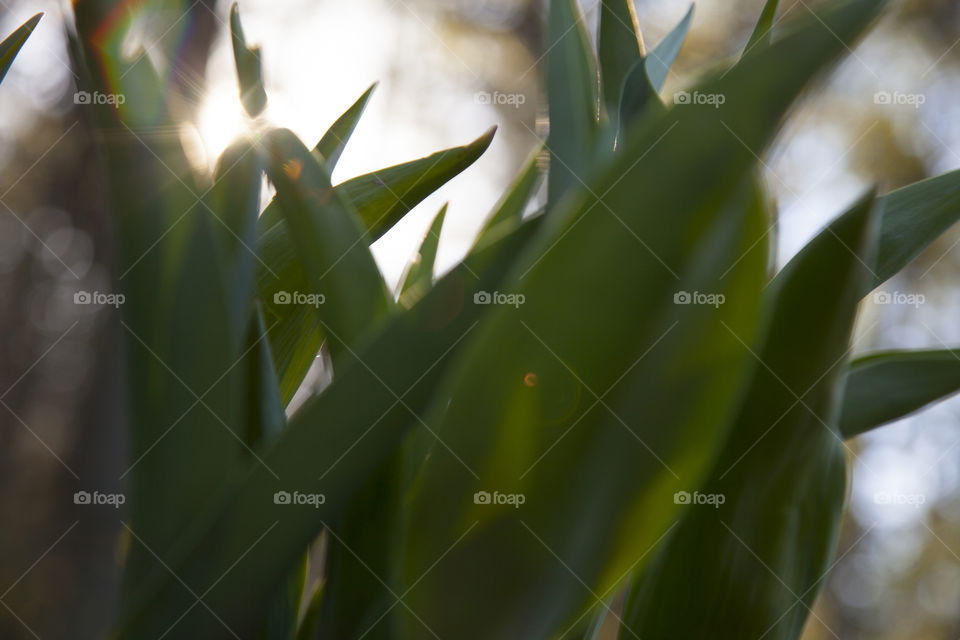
<point>334,141</point>
<point>572,99</point>
<point>234,199</point>
<point>284,610</point>
<point>265,419</point>
<point>620,47</point>
<point>11,46</point>
<point>380,199</point>
<point>343,277</point>
<point>507,215</point>
<point>913,217</point>
<point>772,540</point>
<point>661,58</point>
<point>887,386</point>
<point>644,81</point>
<point>361,556</point>
<point>186,402</point>
<point>331,446</point>
<point>763,32</point>
<point>308,621</point>
<point>419,276</point>
<point>524,418</point>
<point>384,196</point>
<point>249,69</point>
<point>639,96</point>
<point>599,498</point>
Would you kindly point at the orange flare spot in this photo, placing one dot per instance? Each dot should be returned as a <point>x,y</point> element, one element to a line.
<point>293,168</point>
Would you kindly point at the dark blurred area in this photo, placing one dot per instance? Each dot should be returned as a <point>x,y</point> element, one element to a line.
<point>897,575</point>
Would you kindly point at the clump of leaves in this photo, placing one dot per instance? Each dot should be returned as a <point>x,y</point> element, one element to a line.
<point>483,470</point>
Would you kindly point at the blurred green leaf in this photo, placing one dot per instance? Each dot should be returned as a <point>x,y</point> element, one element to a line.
<point>265,419</point>
<point>639,96</point>
<point>763,32</point>
<point>311,614</point>
<point>361,559</point>
<point>380,199</point>
<point>572,86</point>
<point>661,58</point>
<point>283,613</point>
<point>772,539</point>
<point>529,418</point>
<point>913,217</point>
<point>331,446</point>
<point>329,244</point>
<point>883,387</point>
<point>11,46</point>
<point>520,572</point>
<point>508,213</point>
<point>249,68</point>
<point>334,141</point>
<point>418,278</point>
<point>188,414</point>
<point>234,199</point>
<point>644,81</point>
<point>620,47</point>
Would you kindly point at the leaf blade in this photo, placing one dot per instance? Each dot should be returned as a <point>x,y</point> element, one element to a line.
<point>572,99</point>
<point>253,96</point>
<point>12,44</point>
<point>334,141</point>
<point>886,386</point>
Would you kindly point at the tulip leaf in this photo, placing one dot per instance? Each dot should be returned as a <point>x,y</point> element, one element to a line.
<point>572,99</point>
<point>419,276</point>
<point>887,386</point>
<point>383,197</point>
<point>519,422</point>
<point>380,199</point>
<point>247,545</point>
<point>253,96</point>
<point>334,141</point>
<point>773,540</point>
<point>343,278</point>
<point>660,60</point>
<point>508,213</point>
<point>12,44</point>
<point>620,47</point>
<point>763,32</point>
<point>645,79</point>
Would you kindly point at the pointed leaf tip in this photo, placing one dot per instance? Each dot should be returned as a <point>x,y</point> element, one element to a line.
<point>11,46</point>
<point>249,68</point>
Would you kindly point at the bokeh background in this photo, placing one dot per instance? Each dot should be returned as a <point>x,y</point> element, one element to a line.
<point>887,116</point>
